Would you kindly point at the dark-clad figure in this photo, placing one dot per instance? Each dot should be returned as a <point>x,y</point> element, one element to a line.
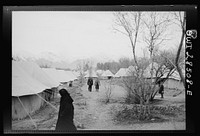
<point>90,83</point>
<point>66,113</point>
<point>97,84</point>
<point>161,89</point>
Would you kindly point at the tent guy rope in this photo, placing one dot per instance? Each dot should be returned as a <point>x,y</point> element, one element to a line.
<point>27,112</point>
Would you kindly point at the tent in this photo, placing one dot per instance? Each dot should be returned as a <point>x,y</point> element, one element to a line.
<point>37,73</point>
<point>99,72</point>
<point>147,71</point>
<point>130,70</point>
<point>60,75</point>
<point>23,83</point>
<point>27,92</point>
<point>107,73</point>
<point>121,73</point>
<point>173,81</point>
<point>71,75</point>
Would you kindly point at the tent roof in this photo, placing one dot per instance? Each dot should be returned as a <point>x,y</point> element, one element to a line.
<point>59,75</point>
<point>23,83</point>
<point>175,75</point>
<point>107,73</point>
<point>121,72</point>
<point>71,75</point>
<point>37,73</point>
<point>147,71</point>
<point>99,71</point>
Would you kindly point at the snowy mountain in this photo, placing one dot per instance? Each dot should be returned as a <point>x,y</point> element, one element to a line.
<point>50,59</point>
<point>24,55</point>
<point>43,59</point>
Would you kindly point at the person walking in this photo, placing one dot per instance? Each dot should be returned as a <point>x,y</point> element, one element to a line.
<point>161,89</point>
<point>66,113</point>
<point>97,84</point>
<point>90,83</point>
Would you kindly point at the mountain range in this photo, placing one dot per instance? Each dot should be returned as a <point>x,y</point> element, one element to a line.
<point>50,59</point>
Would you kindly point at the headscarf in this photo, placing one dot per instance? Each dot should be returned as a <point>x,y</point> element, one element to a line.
<point>65,96</point>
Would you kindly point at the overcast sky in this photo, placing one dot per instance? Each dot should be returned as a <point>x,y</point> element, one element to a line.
<point>74,35</point>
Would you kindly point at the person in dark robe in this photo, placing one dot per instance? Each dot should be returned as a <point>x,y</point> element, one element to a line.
<point>66,113</point>
<point>70,84</point>
<point>97,84</point>
<point>161,89</point>
<point>90,83</point>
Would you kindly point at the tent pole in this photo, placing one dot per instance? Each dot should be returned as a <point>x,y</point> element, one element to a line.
<point>27,112</point>
<point>47,102</point>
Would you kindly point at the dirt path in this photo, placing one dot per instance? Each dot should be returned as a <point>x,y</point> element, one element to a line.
<point>97,116</point>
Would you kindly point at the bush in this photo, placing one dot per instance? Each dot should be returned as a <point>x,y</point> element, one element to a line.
<point>108,93</point>
<point>134,113</point>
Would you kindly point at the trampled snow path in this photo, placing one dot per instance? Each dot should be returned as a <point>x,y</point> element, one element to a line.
<point>96,111</point>
<point>98,117</point>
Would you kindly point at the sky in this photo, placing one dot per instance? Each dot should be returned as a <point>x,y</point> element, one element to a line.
<point>74,35</point>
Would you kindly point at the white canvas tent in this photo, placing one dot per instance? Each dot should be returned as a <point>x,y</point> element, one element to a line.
<point>99,72</point>
<point>121,73</point>
<point>130,70</point>
<point>59,75</point>
<point>64,77</point>
<point>27,92</point>
<point>23,83</point>
<point>53,73</point>
<point>147,71</point>
<point>37,73</point>
<point>107,73</point>
<point>173,81</point>
<point>71,75</point>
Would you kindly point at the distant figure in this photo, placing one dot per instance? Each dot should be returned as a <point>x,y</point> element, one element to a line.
<point>161,89</point>
<point>70,83</point>
<point>66,113</point>
<point>97,84</point>
<point>90,83</point>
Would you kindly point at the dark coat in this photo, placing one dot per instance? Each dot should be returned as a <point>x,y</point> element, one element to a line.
<point>90,82</point>
<point>66,112</point>
<point>161,89</point>
<point>97,83</point>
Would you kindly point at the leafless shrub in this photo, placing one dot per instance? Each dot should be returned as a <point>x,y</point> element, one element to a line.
<point>108,92</point>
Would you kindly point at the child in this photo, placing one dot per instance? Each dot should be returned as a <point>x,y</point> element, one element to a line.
<point>97,84</point>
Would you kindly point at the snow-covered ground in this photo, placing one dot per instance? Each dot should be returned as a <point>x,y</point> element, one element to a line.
<point>90,113</point>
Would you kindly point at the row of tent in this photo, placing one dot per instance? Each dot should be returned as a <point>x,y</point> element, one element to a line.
<point>29,78</point>
<point>126,72</point>
<point>30,84</point>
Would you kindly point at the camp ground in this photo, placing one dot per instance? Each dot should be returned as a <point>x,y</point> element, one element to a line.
<point>125,53</point>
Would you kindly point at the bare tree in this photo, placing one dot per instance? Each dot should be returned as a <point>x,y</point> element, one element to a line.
<point>181,19</point>
<point>129,24</point>
<point>156,25</point>
<point>108,93</point>
<point>155,33</point>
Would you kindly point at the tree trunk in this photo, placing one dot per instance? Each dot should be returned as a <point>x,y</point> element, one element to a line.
<point>177,58</point>
<point>179,49</point>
